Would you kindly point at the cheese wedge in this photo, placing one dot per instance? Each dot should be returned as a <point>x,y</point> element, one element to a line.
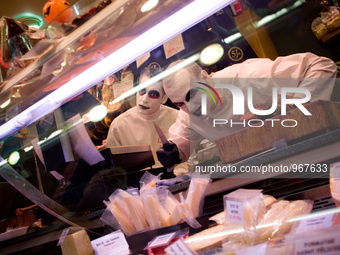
<point>158,216</point>
<point>124,222</point>
<point>77,243</point>
<point>122,206</point>
<point>195,196</point>
<point>136,215</point>
<point>268,200</point>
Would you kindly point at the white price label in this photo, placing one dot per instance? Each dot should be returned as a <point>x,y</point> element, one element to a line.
<point>142,59</point>
<point>234,211</point>
<point>173,46</point>
<point>161,240</point>
<point>315,223</point>
<point>336,169</point>
<point>318,245</point>
<point>178,248</point>
<point>114,243</point>
<point>63,236</point>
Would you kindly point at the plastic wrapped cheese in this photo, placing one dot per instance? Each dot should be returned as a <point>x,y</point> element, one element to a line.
<point>124,222</point>
<point>128,210</point>
<point>334,182</point>
<point>195,196</point>
<point>244,206</point>
<point>268,200</point>
<point>77,243</point>
<point>172,206</point>
<point>274,222</point>
<point>136,210</point>
<point>156,214</point>
<point>207,239</point>
<point>220,217</point>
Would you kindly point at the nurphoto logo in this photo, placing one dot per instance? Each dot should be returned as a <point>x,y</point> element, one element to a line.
<point>239,101</point>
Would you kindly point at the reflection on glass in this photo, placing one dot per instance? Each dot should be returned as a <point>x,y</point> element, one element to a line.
<point>149,5</point>
<point>211,54</point>
<point>14,158</point>
<point>4,105</point>
<point>97,113</point>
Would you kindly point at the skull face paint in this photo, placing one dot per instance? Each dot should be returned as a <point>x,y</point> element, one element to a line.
<point>150,98</point>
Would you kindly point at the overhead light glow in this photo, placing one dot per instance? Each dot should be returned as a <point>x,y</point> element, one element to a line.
<point>211,54</point>
<point>14,158</point>
<point>29,148</point>
<point>55,133</point>
<point>97,113</point>
<point>171,26</point>
<point>4,105</point>
<point>149,5</point>
<point>232,38</point>
<point>30,19</point>
<point>271,224</point>
<point>34,26</point>
<point>3,161</point>
<point>265,20</point>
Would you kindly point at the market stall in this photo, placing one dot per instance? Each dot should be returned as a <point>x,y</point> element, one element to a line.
<point>64,182</point>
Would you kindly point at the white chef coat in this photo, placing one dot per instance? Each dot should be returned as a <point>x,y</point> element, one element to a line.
<point>305,70</point>
<point>134,128</point>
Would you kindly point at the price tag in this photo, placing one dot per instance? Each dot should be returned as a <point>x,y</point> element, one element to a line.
<point>315,223</point>
<point>322,245</point>
<point>121,88</point>
<point>234,211</point>
<point>173,46</point>
<point>63,236</point>
<point>161,240</point>
<point>178,248</point>
<point>114,243</point>
<point>142,59</point>
<point>336,170</point>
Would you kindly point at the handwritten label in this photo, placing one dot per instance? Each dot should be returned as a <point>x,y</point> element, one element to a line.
<point>161,240</point>
<point>63,236</point>
<point>234,211</point>
<point>114,243</point>
<point>317,245</point>
<point>125,85</point>
<point>173,46</point>
<point>178,248</point>
<point>142,59</point>
<point>315,223</point>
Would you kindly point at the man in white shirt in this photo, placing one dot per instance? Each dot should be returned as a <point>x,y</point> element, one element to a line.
<point>135,126</point>
<point>305,70</point>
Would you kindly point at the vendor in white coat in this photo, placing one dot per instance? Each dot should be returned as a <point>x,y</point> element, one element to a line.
<point>317,74</point>
<point>135,126</point>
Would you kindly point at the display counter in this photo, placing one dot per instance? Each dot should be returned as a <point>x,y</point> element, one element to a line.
<point>57,164</point>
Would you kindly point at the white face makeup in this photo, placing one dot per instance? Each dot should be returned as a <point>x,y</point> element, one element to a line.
<point>186,98</point>
<point>150,99</point>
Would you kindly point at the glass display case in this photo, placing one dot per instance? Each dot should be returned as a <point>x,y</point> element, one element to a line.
<point>57,110</point>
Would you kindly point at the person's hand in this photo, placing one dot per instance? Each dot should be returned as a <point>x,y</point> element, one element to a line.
<point>168,155</point>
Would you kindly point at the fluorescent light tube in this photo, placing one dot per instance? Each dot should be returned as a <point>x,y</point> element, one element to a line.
<point>160,33</point>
